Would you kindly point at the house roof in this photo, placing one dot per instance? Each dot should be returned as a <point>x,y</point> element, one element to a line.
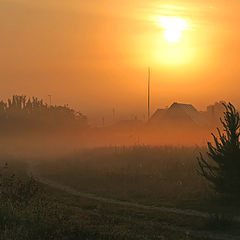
<point>179,112</point>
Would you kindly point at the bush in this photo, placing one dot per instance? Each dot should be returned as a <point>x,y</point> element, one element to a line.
<point>26,213</point>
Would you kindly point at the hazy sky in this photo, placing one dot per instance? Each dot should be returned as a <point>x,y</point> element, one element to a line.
<point>94,54</point>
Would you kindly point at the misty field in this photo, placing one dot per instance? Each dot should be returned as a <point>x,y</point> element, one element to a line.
<point>149,175</point>
<point>115,177</point>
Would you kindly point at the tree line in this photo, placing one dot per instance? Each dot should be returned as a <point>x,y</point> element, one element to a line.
<point>22,113</point>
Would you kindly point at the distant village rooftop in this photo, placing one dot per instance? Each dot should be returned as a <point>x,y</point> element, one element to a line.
<point>188,114</point>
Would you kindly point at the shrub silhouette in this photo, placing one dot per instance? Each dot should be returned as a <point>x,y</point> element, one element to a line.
<point>222,168</point>
<point>28,211</point>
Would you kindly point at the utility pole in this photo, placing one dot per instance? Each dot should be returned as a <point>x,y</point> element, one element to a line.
<point>50,100</point>
<point>149,85</point>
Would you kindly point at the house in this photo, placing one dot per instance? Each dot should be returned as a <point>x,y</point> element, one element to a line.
<point>178,114</point>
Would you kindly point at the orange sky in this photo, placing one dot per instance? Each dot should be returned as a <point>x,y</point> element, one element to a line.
<point>94,54</point>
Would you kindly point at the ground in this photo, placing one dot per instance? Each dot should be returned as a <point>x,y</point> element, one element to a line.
<point>135,193</point>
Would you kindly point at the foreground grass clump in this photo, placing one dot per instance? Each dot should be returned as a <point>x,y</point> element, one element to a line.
<point>27,213</point>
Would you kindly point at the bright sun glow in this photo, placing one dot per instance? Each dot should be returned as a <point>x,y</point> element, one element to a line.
<point>172,44</point>
<point>173,27</point>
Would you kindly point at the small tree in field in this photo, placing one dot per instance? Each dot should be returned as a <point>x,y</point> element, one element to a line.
<point>222,168</point>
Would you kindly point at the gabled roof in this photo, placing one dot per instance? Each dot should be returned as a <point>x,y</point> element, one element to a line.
<point>183,106</point>
<point>179,112</point>
<point>180,109</point>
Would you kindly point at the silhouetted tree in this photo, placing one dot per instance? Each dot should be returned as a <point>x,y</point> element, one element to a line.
<point>22,113</point>
<point>222,168</point>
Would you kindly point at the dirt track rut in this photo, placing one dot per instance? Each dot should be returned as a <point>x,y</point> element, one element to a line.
<point>32,171</point>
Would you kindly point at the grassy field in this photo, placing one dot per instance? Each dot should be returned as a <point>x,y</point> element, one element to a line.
<point>150,175</point>
<point>159,176</point>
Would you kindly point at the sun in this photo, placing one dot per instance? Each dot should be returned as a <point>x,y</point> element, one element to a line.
<point>171,44</point>
<point>173,27</point>
<point>172,35</point>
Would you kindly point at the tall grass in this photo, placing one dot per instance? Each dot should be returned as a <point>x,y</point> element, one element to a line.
<point>27,212</point>
<point>138,173</point>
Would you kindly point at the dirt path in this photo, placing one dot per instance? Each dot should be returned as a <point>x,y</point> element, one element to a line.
<point>32,171</point>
